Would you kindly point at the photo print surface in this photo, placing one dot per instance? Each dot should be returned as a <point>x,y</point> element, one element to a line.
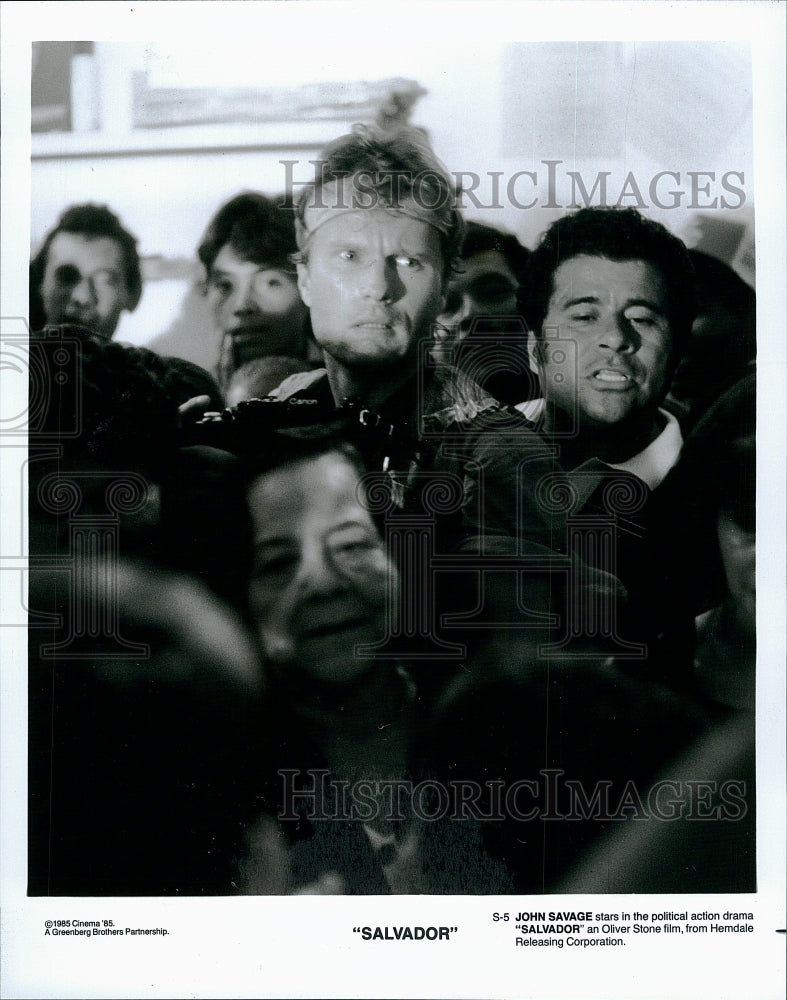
<point>391,487</point>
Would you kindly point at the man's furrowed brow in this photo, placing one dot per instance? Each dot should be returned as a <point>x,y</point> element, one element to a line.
<point>417,251</point>
<point>581,300</point>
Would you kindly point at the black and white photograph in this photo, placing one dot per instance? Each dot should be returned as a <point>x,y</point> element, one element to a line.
<point>393,439</point>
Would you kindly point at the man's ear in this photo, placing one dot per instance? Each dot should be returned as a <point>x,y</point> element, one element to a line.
<point>132,301</point>
<point>304,283</point>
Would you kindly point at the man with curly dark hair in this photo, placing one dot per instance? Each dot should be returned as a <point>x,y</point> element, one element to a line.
<point>609,301</point>
<point>87,272</point>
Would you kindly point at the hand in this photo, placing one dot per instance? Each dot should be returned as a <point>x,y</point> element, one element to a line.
<point>193,409</point>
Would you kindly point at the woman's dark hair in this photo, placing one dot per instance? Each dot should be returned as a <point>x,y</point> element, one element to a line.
<point>480,238</point>
<point>718,282</point>
<point>723,342</point>
<point>255,227</point>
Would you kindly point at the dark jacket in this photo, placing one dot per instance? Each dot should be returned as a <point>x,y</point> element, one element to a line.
<point>457,482</point>
<point>484,453</point>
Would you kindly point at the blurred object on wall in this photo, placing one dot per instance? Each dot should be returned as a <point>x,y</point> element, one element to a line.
<point>160,107</point>
<point>63,87</point>
<point>731,242</point>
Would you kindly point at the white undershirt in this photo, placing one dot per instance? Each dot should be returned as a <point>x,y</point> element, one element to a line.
<point>652,464</point>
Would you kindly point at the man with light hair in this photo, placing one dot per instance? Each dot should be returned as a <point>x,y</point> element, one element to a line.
<point>378,233</point>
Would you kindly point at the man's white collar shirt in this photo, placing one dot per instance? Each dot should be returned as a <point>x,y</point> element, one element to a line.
<point>652,464</point>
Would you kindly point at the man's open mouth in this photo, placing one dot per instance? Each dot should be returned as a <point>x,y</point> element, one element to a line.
<point>611,376</point>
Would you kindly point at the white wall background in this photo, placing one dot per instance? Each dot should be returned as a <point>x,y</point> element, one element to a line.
<point>491,106</point>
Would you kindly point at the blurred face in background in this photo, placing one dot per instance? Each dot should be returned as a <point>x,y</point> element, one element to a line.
<point>257,303</point>
<point>321,580</point>
<point>485,286</point>
<point>737,546</point>
<point>84,282</point>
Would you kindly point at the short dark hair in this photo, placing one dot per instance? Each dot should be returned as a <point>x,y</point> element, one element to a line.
<point>480,238</point>
<point>618,234</point>
<point>92,221</point>
<point>382,156</point>
<point>257,228</point>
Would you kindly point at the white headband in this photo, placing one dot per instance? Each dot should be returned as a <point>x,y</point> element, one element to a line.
<point>343,198</point>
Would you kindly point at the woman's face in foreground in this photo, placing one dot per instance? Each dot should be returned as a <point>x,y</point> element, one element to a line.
<point>321,584</point>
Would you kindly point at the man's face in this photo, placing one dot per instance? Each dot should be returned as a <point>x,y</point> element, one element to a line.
<point>321,581</point>
<point>374,285</point>
<point>84,282</point>
<point>615,313</point>
<point>257,300</point>
<point>485,286</point>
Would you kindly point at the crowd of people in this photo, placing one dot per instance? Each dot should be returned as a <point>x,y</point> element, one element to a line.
<point>442,582</point>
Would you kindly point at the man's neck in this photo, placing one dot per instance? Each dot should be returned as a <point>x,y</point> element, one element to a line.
<point>372,386</point>
<point>613,444</point>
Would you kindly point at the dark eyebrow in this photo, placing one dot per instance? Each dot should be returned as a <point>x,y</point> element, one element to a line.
<point>595,300</point>
<point>582,300</point>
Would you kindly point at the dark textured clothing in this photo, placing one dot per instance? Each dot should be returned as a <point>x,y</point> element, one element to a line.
<point>620,525</point>
<point>637,522</point>
<point>459,435</point>
<point>456,483</point>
